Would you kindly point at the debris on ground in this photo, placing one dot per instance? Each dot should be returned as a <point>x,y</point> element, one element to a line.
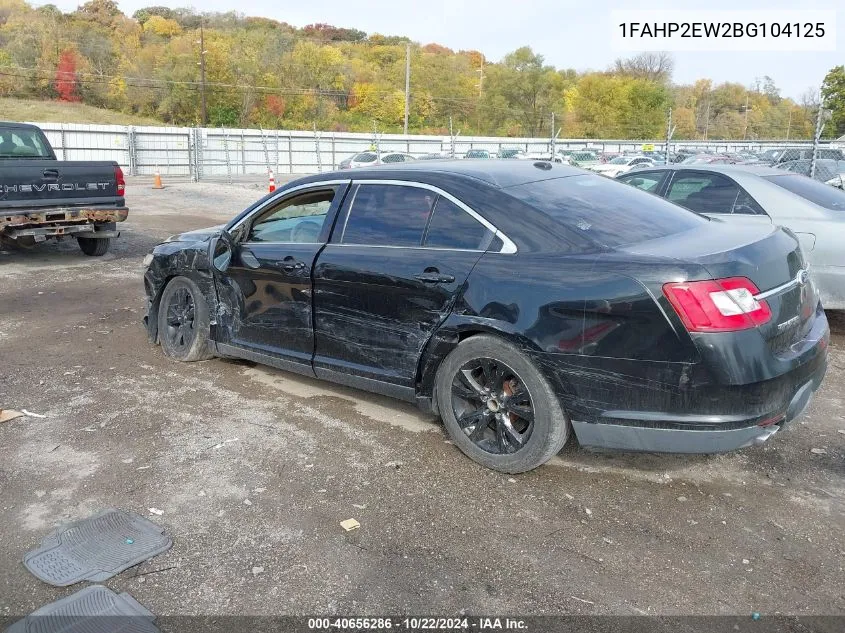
<point>156,512</point>
<point>257,570</point>
<point>588,511</point>
<point>350,524</point>
<point>10,414</point>
<point>582,600</point>
<point>511,480</point>
<point>818,451</point>
<point>682,499</point>
<point>247,502</point>
<point>30,414</point>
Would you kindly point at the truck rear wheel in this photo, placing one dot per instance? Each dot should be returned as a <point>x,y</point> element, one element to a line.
<point>94,246</point>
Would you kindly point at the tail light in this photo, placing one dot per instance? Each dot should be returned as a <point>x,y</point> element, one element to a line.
<point>120,181</point>
<point>719,305</point>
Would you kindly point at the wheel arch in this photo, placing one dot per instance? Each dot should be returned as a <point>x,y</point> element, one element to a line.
<point>447,337</point>
<point>155,287</point>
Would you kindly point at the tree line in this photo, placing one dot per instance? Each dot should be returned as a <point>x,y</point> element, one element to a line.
<point>267,73</point>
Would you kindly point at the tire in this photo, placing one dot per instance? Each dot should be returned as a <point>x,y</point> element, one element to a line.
<point>491,442</point>
<point>183,321</point>
<point>94,246</point>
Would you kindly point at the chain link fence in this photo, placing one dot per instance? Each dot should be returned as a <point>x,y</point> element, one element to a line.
<point>222,154</point>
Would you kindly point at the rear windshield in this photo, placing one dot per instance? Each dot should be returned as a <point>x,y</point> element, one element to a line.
<point>812,190</point>
<point>22,143</point>
<point>364,157</point>
<point>608,212</point>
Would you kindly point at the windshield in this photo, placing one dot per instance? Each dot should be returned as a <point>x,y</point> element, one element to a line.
<point>620,160</point>
<point>812,190</point>
<point>608,212</point>
<point>23,143</point>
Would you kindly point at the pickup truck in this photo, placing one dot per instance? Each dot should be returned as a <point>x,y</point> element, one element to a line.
<point>44,198</point>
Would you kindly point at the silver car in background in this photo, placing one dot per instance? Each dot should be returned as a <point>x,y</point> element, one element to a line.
<point>748,194</point>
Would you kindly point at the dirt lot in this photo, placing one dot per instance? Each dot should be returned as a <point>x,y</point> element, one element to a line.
<point>255,468</point>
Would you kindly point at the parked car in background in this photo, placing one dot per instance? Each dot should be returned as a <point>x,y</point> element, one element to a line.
<point>478,154</point>
<point>806,153</point>
<point>741,195</point>
<point>620,165</point>
<point>584,159</point>
<point>828,171</point>
<point>709,159</point>
<point>370,159</point>
<point>46,198</point>
<point>520,301</point>
<point>431,156</point>
<point>512,153</point>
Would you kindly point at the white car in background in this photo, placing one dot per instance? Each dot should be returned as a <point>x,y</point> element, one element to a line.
<point>621,165</point>
<point>370,159</point>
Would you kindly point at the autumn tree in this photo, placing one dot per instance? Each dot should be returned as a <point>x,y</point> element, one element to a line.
<point>66,82</point>
<point>833,98</point>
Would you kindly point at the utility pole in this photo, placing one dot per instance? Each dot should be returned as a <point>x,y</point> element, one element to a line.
<point>819,126</point>
<point>407,85</point>
<point>669,132</point>
<point>789,124</point>
<point>745,130</point>
<point>203,114</point>
<point>707,119</point>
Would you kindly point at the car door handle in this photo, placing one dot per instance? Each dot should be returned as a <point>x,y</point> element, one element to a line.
<point>435,278</point>
<point>50,173</point>
<point>290,264</point>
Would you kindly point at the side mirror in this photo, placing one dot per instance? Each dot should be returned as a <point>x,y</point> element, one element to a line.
<point>220,251</point>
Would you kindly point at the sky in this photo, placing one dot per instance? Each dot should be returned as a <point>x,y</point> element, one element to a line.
<point>568,33</point>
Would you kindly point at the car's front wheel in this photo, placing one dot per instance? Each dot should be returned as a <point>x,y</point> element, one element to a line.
<point>497,407</point>
<point>183,321</point>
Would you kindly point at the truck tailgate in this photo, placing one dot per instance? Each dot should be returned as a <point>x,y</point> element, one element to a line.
<point>32,184</point>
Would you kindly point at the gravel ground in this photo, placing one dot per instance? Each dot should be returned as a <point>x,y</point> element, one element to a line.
<point>254,469</point>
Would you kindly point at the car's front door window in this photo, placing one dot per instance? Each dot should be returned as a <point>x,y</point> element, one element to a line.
<point>297,220</point>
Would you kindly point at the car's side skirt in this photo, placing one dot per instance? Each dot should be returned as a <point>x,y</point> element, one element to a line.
<point>391,390</point>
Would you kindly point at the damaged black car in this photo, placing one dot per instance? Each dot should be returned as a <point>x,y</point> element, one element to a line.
<point>523,302</point>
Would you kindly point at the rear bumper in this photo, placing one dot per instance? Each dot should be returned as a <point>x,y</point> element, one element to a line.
<point>15,220</point>
<point>704,418</point>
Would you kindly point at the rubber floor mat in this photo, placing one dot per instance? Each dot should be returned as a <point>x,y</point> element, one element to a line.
<point>96,548</point>
<point>95,609</point>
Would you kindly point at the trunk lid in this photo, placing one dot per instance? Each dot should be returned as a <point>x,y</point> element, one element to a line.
<point>29,184</point>
<point>769,256</point>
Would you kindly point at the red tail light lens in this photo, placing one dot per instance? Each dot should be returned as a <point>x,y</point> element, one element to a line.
<point>719,305</point>
<point>120,180</point>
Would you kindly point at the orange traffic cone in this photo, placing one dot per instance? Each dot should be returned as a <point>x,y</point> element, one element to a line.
<point>157,181</point>
<point>272,181</point>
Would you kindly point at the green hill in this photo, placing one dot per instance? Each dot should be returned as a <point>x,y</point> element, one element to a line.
<point>63,112</point>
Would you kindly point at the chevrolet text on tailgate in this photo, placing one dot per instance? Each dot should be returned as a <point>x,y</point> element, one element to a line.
<point>43,198</point>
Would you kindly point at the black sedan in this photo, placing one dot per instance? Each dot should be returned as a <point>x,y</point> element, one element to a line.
<point>521,301</point>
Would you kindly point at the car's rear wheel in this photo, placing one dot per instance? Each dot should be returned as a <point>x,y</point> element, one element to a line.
<point>497,407</point>
<point>94,246</point>
<point>183,321</point>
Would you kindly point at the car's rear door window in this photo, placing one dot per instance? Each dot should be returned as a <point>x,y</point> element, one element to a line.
<point>387,215</point>
<point>703,192</point>
<point>607,212</point>
<point>452,227</point>
<point>812,190</point>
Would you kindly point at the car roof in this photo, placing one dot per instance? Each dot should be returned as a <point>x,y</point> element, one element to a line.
<point>759,170</point>
<point>495,173</point>
<point>20,126</point>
